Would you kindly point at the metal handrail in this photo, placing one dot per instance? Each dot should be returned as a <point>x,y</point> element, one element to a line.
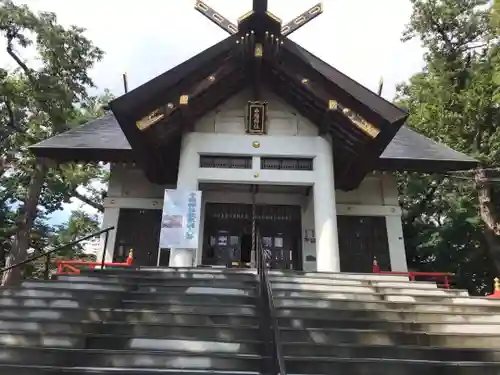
<point>49,253</point>
<point>278,361</point>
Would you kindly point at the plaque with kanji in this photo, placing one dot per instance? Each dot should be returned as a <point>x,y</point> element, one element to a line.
<point>256,118</point>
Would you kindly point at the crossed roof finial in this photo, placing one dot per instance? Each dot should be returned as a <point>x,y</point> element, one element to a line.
<point>259,6</point>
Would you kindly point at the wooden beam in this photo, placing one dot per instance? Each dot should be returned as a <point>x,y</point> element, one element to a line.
<point>259,6</point>
<point>216,17</point>
<point>307,90</point>
<point>256,63</point>
<point>352,118</point>
<point>302,19</point>
<point>307,107</point>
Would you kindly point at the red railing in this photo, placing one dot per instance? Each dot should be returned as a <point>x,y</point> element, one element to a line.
<point>412,275</point>
<point>69,267</point>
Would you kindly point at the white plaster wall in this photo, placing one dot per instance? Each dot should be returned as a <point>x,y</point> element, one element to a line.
<point>377,195</point>
<point>229,117</point>
<point>128,187</point>
<point>129,181</point>
<point>308,248</point>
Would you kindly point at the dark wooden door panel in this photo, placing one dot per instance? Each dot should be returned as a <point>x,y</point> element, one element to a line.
<point>138,230</point>
<point>361,238</point>
<point>282,224</point>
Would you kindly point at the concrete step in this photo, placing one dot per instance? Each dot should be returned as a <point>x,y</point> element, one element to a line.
<point>136,317</point>
<point>378,366</point>
<point>58,370</point>
<point>232,272</point>
<point>321,318</point>
<point>356,282</point>
<point>388,337</point>
<point>138,291</point>
<point>130,359</point>
<point>129,301</point>
<point>447,305</point>
<point>338,276</point>
<point>130,314</point>
<point>132,342</point>
<point>202,332</point>
<point>360,351</point>
<point>363,290</point>
<point>206,288</point>
<point>161,278</point>
<point>430,327</point>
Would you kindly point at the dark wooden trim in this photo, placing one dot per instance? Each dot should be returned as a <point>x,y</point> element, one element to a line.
<point>354,95</point>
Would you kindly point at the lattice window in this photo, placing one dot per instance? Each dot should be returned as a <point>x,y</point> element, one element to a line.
<point>231,162</point>
<point>291,164</point>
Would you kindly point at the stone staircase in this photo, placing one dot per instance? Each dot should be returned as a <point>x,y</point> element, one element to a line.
<point>200,321</point>
<point>380,325</point>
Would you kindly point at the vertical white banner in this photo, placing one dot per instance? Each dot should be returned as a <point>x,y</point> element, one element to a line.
<point>180,220</point>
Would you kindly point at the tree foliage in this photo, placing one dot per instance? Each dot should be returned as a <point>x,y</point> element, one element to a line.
<point>41,96</point>
<point>450,220</point>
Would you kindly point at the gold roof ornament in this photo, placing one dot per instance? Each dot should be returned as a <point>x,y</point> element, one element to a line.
<point>361,123</point>
<point>184,99</point>
<point>149,120</point>
<point>259,50</point>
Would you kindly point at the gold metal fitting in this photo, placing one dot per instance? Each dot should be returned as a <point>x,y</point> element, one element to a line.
<point>184,99</point>
<point>496,284</point>
<point>259,51</point>
<point>375,263</point>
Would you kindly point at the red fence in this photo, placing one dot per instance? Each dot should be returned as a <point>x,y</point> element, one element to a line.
<point>71,267</point>
<point>443,277</point>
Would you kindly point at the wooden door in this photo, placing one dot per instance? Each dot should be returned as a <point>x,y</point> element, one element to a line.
<point>138,230</point>
<point>361,238</point>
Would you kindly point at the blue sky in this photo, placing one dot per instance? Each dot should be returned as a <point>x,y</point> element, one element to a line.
<point>359,37</point>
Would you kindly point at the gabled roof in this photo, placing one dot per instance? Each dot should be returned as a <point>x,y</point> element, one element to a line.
<point>300,78</point>
<point>104,140</point>
<point>362,125</point>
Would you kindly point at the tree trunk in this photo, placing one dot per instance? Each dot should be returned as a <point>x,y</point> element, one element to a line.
<point>490,218</point>
<point>21,242</point>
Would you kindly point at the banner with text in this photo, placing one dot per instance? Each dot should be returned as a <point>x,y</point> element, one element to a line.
<point>180,220</point>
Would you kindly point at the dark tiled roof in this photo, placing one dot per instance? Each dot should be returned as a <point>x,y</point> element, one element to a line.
<point>408,144</point>
<point>408,148</point>
<point>99,134</point>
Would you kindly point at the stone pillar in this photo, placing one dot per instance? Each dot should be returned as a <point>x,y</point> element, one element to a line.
<point>186,179</point>
<point>325,210</point>
<point>397,252</point>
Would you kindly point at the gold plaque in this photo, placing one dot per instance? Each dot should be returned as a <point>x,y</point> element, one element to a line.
<point>150,119</point>
<point>361,123</point>
<point>256,118</point>
<point>183,100</point>
<point>258,50</point>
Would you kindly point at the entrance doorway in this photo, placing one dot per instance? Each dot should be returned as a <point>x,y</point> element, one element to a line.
<point>228,241</point>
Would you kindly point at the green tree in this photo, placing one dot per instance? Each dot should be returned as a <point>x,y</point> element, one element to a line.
<point>39,99</point>
<point>79,225</point>
<point>451,222</point>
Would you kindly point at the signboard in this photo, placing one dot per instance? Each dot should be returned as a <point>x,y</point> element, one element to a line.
<point>180,220</point>
<point>256,117</point>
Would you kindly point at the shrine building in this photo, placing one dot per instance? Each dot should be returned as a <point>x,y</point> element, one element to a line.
<point>277,141</point>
